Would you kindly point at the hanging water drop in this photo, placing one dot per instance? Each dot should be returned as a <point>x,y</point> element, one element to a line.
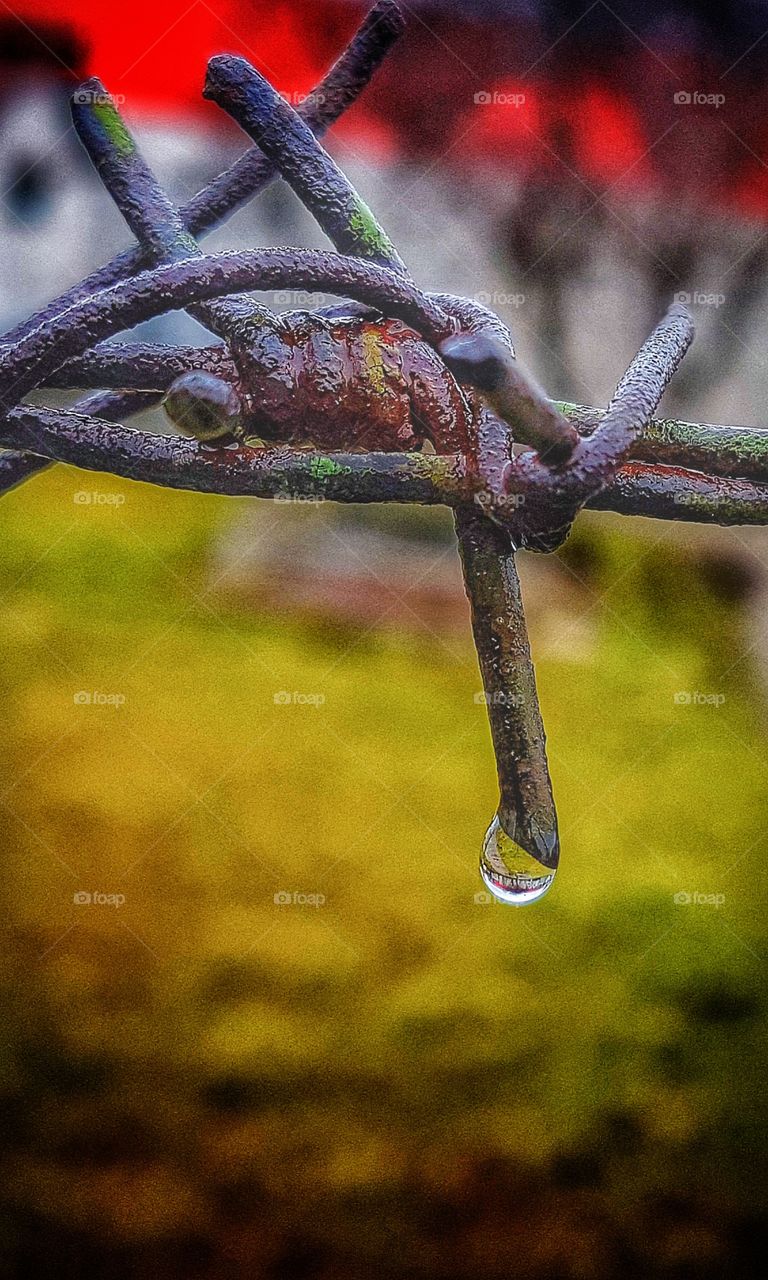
<point>510,873</point>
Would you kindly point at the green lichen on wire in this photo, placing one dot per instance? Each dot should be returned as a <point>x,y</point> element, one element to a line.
<point>113,127</point>
<point>701,446</point>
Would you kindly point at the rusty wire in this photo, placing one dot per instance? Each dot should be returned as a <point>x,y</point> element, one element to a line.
<point>443,370</point>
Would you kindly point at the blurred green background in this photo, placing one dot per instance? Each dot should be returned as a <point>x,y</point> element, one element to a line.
<point>402,1079</point>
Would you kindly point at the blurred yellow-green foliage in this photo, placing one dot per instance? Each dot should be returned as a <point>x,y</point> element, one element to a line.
<point>403,1081</point>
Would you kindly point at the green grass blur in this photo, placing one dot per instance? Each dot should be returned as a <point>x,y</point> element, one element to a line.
<point>403,1081</point>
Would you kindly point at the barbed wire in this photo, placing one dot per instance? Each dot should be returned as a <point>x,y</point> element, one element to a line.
<point>392,395</point>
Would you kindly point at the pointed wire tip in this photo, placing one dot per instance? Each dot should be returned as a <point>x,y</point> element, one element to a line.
<point>478,359</point>
<point>542,843</point>
<point>99,125</point>
<point>546,845</point>
<point>222,69</point>
<point>90,91</point>
<point>388,12</point>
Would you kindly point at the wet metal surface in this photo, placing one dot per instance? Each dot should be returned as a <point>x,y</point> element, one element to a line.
<point>358,390</point>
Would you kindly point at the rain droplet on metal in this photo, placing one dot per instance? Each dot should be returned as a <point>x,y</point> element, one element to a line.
<point>510,873</point>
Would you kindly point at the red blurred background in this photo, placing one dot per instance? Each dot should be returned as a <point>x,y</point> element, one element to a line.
<point>601,95</point>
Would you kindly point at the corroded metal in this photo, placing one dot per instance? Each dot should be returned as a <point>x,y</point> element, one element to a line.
<point>548,501</point>
<point>361,387</point>
<point>679,493</point>
<point>34,437</point>
<point>526,806</point>
<point>482,361</point>
<point>141,365</point>
<point>173,461</point>
<point>34,357</point>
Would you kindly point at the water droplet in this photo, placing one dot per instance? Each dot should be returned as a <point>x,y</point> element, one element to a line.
<point>511,874</point>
